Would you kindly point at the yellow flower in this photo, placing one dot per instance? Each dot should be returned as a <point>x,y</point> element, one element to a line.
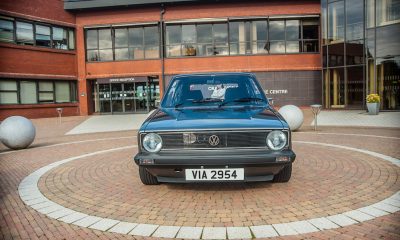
<point>373,98</point>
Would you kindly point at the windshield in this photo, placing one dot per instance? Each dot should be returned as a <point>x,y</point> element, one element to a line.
<point>209,90</point>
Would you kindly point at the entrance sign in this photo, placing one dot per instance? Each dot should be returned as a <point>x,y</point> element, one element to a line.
<point>122,80</point>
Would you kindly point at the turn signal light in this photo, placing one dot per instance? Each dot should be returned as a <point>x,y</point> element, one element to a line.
<point>146,161</point>
<point>282,159</point>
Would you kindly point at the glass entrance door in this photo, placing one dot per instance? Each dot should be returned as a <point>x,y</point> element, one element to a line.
<point>128,97</point>
<point>117,97</point>
<point>141,97</point>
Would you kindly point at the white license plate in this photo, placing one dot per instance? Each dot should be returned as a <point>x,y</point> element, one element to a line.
<point>215,174</point>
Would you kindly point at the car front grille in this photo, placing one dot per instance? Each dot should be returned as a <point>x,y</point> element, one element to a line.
<point>214,139</point>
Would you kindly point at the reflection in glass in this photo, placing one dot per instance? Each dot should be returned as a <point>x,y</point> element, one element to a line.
<point>92,55</point>
<point>104,96</point>
<point>277,47</point>
<point>105,38</point>
<point>371,43</point>
<point>116,97</point>
<point>121,54</point>
<point>188,34</point>
<point>336,54</point>
<point>151,42</point>
<point>42,36</point>
<point>63,92</point>
<point>121,37</point>
<point>355,19</point>
<point>387,12</point>
<point>135,37</point>
<point>336,21</point>
<point>337,86</point>
<point>24,33</point>
<point>293,30</point>
<point>276,30</point>
<point>220,33</point>
<point>293,46</point>
<point>388,82</point>
<point>204,33</point>
<point>105,55</point>
<point>91,39</point>
<point>388,40</point>
<point>173,34</point>
<point>355,52</point>
<point>355,86</point>
<point>6,30</point>
<point>59,38</point>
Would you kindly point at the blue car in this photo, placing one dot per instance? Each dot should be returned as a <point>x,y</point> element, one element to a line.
<point>214,127</point>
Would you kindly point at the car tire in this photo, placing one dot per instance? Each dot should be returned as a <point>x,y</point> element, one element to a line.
<point>284,175</point>
<point>146,177</point>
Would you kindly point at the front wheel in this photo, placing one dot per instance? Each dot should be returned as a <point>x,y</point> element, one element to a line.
<point>146,177</point>
<point>284,175</point>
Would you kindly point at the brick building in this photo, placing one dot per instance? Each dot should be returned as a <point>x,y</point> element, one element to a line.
<point>118,56</point>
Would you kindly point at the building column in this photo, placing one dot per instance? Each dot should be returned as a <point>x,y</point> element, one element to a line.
<point>81,66</point>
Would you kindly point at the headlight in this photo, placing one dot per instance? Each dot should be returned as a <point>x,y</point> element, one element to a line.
<point>152,142</point>
<point>276,140</point>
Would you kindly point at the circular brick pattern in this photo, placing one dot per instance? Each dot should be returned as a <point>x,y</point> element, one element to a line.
<point>325,181</point>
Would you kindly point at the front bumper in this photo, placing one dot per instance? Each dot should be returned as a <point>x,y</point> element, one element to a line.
<point>259,165</point>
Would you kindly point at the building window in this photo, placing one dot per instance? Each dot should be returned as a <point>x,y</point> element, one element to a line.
<point>174,39</point>
<point>129,43</point>
<point>151,42</point>
<point>310,35</point>
<point>105,45</point>
<point>60,38</point>
<point>6,30</point>
<point>46,92</point>
<point>28,92</point>
<point>387,12</point>
<point>260,37</point>
<point>25,33</point>
<point>63,92</point>
<point>8,92</point>
<point>37,91</point>
<point>293,36</point>
<point>336,22</point>
<point>43,38</point>
<point>277,36</point>
<point>92,45</point>
<point>121,44</point>
<point>239,36</point>
<point>35,34</point>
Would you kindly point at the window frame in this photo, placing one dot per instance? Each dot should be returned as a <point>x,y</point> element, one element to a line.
<point>34,24</point>
<point>73,91</point>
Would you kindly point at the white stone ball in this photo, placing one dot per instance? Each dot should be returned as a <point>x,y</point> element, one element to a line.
<point>17,132</point>
<point>293,116</point>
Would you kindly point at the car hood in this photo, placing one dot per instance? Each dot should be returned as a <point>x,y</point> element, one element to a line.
<point>213,118</point>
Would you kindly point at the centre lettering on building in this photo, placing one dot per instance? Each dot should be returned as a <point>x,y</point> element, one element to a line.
<point>276,91</point>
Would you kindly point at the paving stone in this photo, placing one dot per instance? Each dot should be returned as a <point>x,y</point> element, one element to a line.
<point>214,233</point>
<point>323,223</point>
<point>42,205</point>
<point>341,220</point>
<point>144,230</point>
<point>392,201</point>
<point>358,215</point>
<point>373,211</point>
<point>190,232</point>
<point>303,227</point>
<point>50,209</point>
<point>238,232</point>
<point>386,207</point>
<point>60,213</point>
<point>284,229</point>
<point>104,224</point>
<point>123,227</point>
<point>263,231</point>
<point>166,232</point>
<point>73,217</point>
<point>87,221</point>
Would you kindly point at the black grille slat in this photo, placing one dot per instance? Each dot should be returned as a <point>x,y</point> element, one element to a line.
<point>227,140</point>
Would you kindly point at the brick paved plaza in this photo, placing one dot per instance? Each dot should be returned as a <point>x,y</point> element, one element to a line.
<point>336,171</point>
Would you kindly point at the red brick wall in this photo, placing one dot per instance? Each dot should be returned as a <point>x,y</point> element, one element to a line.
<point>47,10</point>
<point>38,110</point>
<point>185,65</point>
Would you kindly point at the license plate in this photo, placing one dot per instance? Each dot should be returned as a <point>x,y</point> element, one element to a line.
<point>216,174</point>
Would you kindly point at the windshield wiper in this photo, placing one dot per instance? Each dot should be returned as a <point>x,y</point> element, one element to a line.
<point>207,100</point>
<point>245,99</point>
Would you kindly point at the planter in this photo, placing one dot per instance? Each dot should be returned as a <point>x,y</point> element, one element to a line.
<point>373,108</point>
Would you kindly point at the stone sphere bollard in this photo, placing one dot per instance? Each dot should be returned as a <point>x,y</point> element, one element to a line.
<point>17,132</point>
<point>293,116</point>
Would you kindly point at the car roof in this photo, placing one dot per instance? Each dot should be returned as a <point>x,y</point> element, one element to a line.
<point>216,74</point>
